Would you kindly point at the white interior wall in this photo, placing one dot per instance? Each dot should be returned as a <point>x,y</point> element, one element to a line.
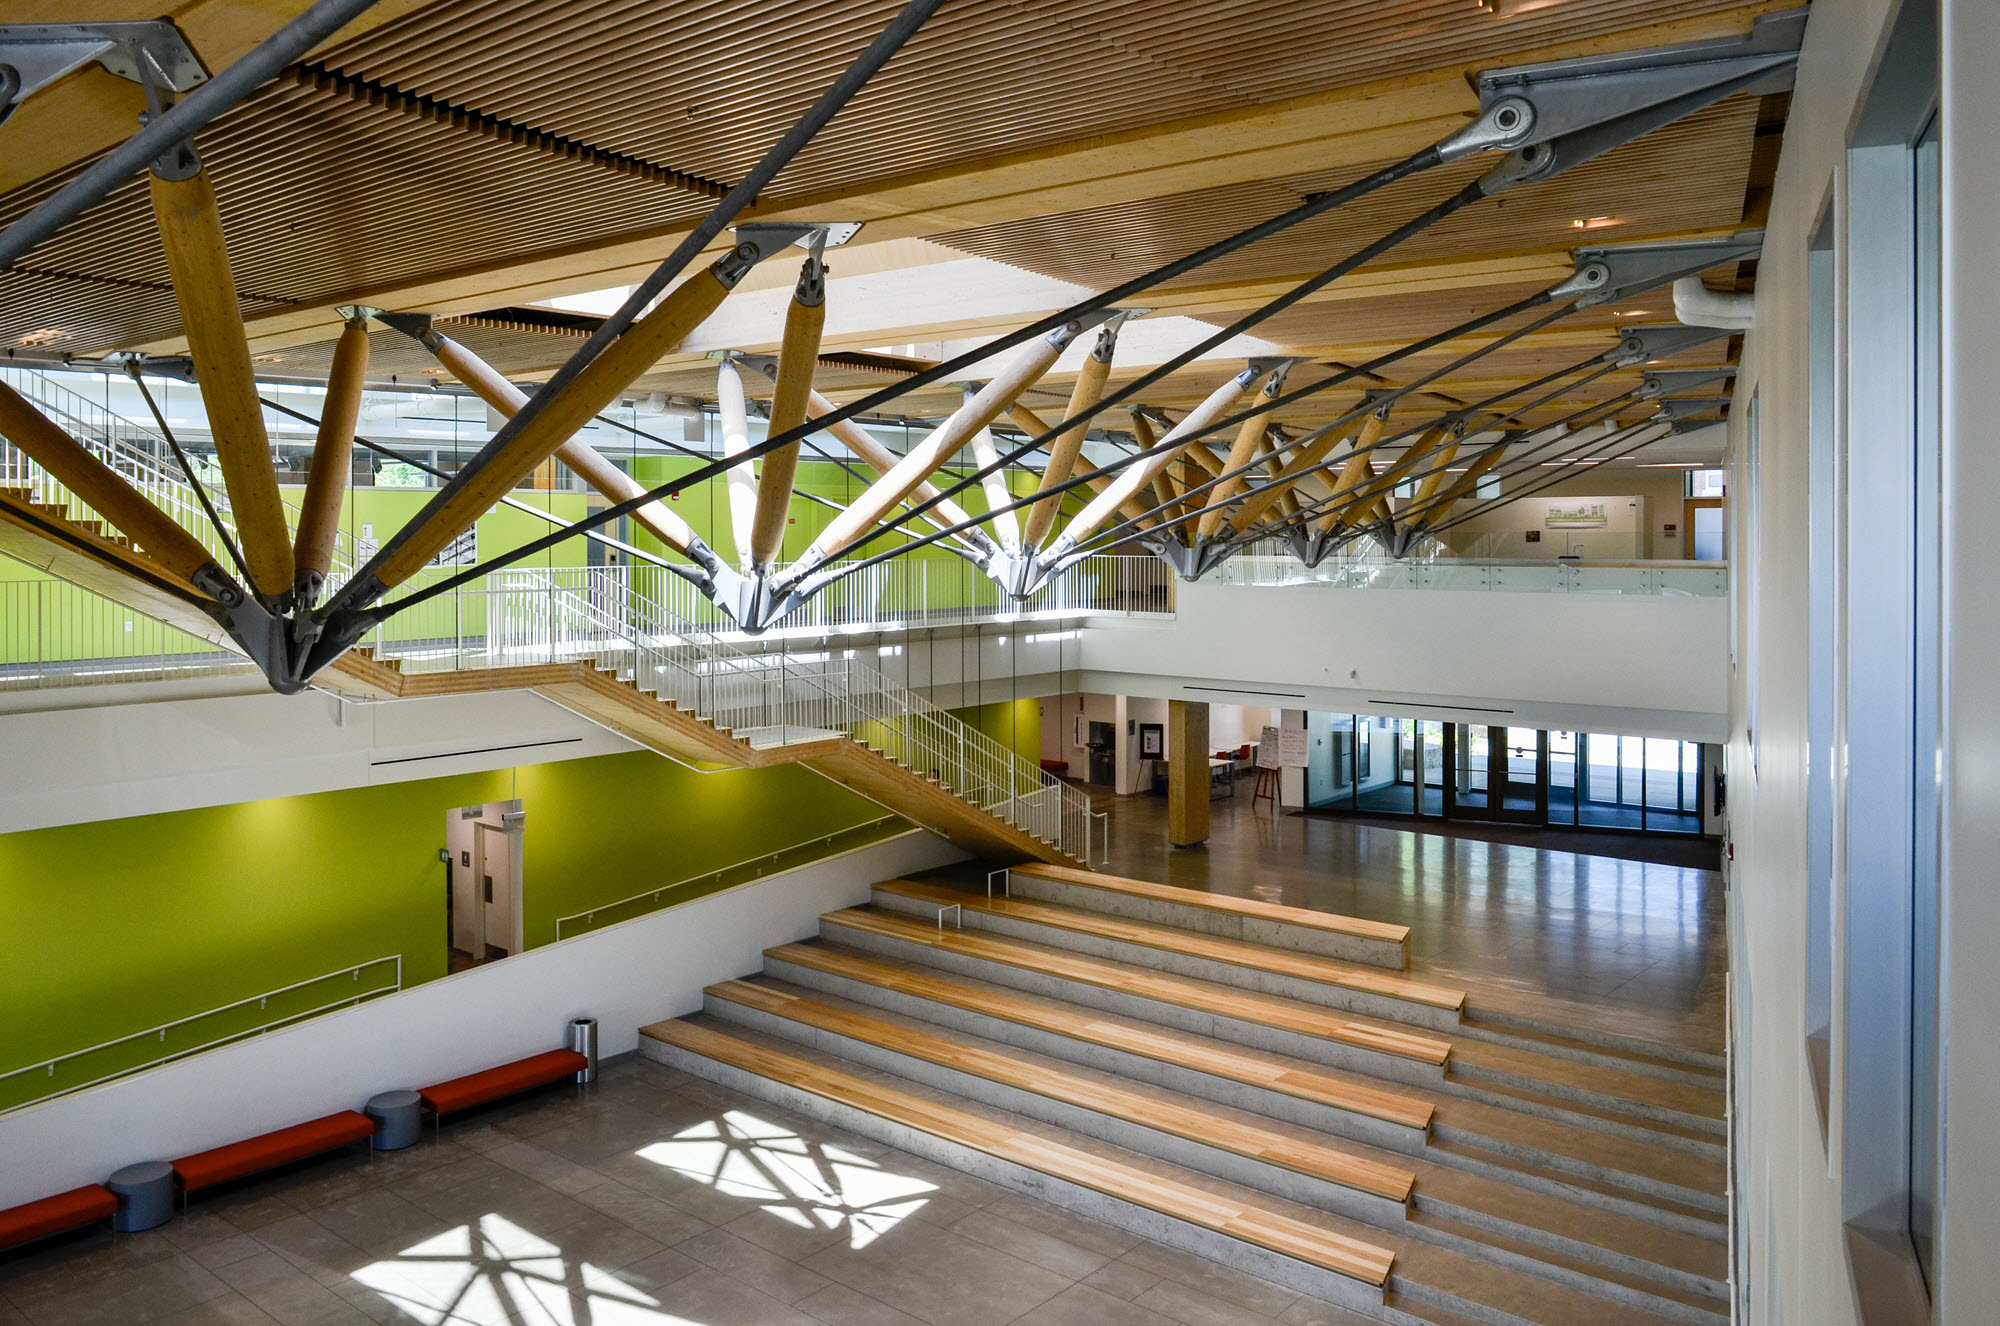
<point>1789,1193</point>
<point>625,976</point>
<point>112,761</point>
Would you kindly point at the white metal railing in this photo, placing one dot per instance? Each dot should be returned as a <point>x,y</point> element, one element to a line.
<point>138,453</point>
<point>54,634</point>
<point>608,616</point>
<point>1652,578</point>
<point>48,1068</point>
<point>768,860</point>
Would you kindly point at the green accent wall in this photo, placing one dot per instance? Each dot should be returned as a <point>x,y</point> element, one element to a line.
<point>1015,724</point>
<point>120,925</point>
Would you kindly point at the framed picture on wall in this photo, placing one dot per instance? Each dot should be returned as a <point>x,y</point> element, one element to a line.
<point>1152,741</point>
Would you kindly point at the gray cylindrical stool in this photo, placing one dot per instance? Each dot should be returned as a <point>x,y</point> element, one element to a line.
<point>145,1194</point>
<point>583,1040</point>
<point>399,1119</point>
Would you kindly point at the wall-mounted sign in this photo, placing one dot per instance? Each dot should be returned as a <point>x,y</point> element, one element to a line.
<point>1577,515</point>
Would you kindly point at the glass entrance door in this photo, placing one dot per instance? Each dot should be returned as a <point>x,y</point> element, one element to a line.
<point>1498,773</point>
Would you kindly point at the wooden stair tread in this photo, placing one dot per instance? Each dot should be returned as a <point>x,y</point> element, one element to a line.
<point>1278,962</point>
<point>1331,1165</point>
<point>1355,926</point>
<point>1167,1047</point>
<point>1278,1233</point>
<point>1225,1001</point>
<point>1680,1097</point>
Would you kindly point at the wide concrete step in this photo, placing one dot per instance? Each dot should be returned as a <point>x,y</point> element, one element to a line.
<point>1659,1185</point>
<point>1392,1277</point>
<point>1678,1275</point>
<point>1300,929</point>
<point>1625,1105</point>
<point>1308,977</point>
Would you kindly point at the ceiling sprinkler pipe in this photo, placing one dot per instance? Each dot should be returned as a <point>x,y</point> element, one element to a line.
<point>1695,305</point>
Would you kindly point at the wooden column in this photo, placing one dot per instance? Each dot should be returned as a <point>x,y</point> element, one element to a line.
<point>332,461</point>
<point>1187,772</point>
<point>191,234</point>
<point>797,358</point>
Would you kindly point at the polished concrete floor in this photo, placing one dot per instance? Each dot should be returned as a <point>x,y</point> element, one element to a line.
<point>648,1199</point>
<point>1630,946</point>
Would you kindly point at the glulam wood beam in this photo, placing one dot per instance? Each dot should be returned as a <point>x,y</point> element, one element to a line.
<point>103,489</point>
<point>927,456</point>
<point>798,355</point>
<point>590,465</point>
<point>733,415</point>
<point>332,461</point>
<point>591,391</point>
<point>190,228</point>
<point>1063,451</point>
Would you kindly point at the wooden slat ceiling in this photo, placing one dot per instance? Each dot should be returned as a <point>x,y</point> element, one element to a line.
<point>484,136</point>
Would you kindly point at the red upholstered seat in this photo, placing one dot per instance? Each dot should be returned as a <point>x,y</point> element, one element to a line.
<point>478,1088</point>
<point>252,1154</point>
<point>52,1215</point>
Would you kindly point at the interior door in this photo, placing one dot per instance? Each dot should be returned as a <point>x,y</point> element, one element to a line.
<point>1499,774</point>
<point>1701,533</point>
<point>493,878</point>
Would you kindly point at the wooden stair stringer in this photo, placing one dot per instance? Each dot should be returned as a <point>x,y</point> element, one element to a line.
<point>929,804</point>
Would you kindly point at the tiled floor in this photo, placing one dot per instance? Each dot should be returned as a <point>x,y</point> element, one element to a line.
<point>649,1199</point>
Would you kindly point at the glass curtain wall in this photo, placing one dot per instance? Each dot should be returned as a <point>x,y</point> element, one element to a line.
<point>1376,765</point>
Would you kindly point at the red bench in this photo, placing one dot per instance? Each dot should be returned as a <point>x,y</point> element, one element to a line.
<point>53,1215</point>
<point>207,1168</point>
<point>478,1088</point>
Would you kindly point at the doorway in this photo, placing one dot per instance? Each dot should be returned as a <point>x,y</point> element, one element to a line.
<point>1702,532</point>
<point>1498,773</point>
<point>483,908</point>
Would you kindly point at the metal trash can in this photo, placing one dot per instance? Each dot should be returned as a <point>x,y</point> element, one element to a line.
<point>399,1120</point>
<point>583,1040</point>
<point>145,1194</point>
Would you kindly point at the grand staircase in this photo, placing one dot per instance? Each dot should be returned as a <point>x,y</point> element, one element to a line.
<point>1261,1085</point>
<point>596,640</point>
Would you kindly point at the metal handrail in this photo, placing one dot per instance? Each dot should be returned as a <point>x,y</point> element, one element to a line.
<point>48,1066</point>
<point>720,871</point>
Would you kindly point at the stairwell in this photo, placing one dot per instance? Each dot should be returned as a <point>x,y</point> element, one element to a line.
<point>595,641</point>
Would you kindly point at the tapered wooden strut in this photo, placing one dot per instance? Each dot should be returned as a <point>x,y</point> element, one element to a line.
<point>589,463</point>
<point>1295,473</point>
<point>1005,526</point>
<point>733,414</point>
<point>797,357</point>
<point>595,388</point>
<point>1032,424</point>
<point>1140,473</point>
<point>1437,478</point>
<point>102,488</point>
<point>1063,451</point>
<point>191,234</point>
<point>881,460</point>
<point>332,460</point>
<point>1467,482</point>
<point>923,460</point>
<point>1371,498</point>
<point>1249,438</point>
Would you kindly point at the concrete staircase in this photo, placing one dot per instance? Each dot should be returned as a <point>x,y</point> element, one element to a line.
<point>1258,1085</point>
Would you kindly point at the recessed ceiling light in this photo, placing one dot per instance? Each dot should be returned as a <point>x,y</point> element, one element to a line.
<point>1593,222</point>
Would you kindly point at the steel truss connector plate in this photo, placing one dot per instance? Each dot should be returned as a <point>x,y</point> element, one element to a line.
<point>1662,340</point>
<point>1525,106</point>
<point>1692,407</point>
<point>1670,381</point>
<point>1312,547</point>
<point>1621,271</point>
<point>34,55</point>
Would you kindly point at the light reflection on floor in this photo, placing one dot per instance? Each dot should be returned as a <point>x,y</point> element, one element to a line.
<point>812,1185</point>
<point>495,1273</point>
